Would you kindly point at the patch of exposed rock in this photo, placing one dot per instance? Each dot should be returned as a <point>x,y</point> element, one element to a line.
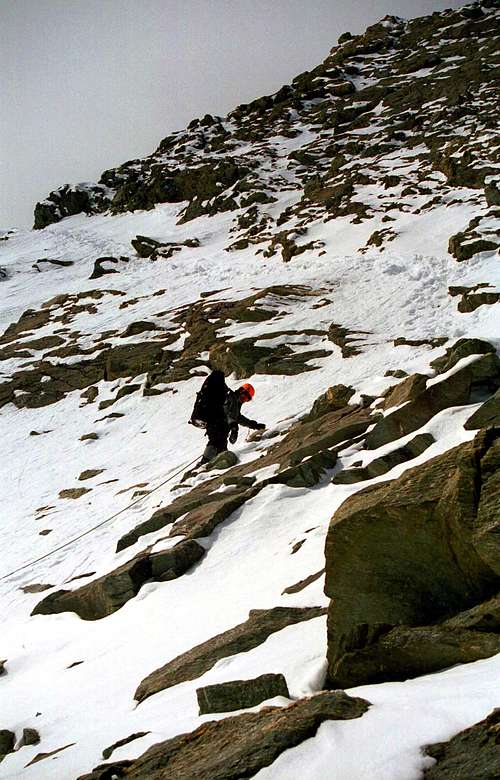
<point>385,463</point>
<point>423,399</point>
<point>107,752</point>
<point>245,636</point>
<point>474,753</point>
<point>237,746</point>
<point>108,593</point>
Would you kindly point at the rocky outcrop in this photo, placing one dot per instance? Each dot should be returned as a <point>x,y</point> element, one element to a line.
<point>413,651</point>
<point>474,381</point>
<point>473,753</point>
<point>237,746</point>
<point>108,593</point>
<point>69,200</point>
<point>205,518</point>
<point>245,636</point>
<point>463,246</point>
<point>132,359</point>
<point>303,457</point>
<point>240,694</point>
<point>471,299</point>
<point>414,552</point>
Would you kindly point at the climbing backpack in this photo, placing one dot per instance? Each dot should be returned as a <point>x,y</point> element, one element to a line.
<point>209,403</point>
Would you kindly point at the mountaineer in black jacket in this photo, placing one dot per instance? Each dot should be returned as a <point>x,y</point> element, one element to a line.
<point>218,410</point>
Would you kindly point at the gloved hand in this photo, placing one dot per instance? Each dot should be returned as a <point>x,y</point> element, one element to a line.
<point>261,427</point>
<point>233,435</point>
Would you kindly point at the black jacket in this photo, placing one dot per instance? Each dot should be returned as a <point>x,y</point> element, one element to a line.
<point>233,416</point>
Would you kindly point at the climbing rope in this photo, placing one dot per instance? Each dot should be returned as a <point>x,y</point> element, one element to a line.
<point>95,527</point>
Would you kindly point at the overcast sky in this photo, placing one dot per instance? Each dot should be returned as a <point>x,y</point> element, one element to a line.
<point>88,84</point>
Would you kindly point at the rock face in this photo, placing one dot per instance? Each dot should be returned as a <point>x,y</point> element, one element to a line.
<point>240,639</point>
<point>475,381</point>
<point>105,595</point>
<point>235,747</point>
<point>240,694</point>
<point>413,552</point>
<point>69,200</point>
<point>473,753</point>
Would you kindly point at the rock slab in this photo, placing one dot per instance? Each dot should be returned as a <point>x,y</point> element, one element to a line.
<point>108,593</point>
<point>245,636</point>
<point>241,694</point>
<point>237,746</point>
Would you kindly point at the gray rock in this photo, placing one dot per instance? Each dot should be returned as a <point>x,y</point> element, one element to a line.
<point>7,742</point>
<point>471,383</point>
<point>101,270</point>
<point>134,328</point>
<point>460,349</point>
<point>240,694</point>
<point>30,737</point>
<point>385,463</point>
<point>335,398</point>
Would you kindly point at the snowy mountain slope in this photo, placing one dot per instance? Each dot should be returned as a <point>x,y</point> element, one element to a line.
<point>98,377</point>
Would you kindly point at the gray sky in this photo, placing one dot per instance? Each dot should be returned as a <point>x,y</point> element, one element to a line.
<point>88,84</point>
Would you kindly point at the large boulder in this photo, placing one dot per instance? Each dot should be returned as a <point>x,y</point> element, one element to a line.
<point>237,746</point>
<point>412,552</point>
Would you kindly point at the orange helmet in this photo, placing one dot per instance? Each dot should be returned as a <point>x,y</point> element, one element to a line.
<point>247,391</point>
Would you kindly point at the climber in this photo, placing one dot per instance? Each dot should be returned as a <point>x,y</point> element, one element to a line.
<point>217,409</point>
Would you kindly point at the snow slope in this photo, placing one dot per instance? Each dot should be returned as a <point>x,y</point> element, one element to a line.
<point>74,680</point>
